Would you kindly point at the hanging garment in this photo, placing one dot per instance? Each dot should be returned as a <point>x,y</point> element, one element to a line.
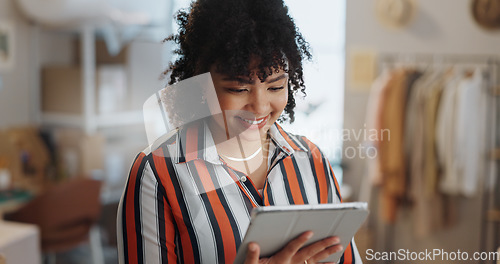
<point>387,119</point>
<point>470,136</point>
<point>445,136</point>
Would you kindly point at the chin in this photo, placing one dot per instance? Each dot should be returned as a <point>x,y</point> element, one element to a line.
<point>252,134</point>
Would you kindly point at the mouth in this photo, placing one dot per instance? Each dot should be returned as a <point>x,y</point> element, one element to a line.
<point>254,122</point>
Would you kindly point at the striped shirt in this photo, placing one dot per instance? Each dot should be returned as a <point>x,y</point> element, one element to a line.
<point>183,204</point>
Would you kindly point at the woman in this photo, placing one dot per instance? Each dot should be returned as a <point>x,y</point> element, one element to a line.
<point>189,199</point>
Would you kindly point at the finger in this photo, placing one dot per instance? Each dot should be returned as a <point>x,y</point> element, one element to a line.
<point>326,253</point>
<point>252,253</point>
<point>293,246</point>
<point>316,247</point>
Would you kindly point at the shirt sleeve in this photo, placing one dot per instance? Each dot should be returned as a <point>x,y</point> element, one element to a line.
<point>351,254</point>
<point>145,225</point>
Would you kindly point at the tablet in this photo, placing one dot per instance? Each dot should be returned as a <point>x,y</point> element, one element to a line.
<point>272,227</point>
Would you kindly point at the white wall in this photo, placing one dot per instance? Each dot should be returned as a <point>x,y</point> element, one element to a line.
<point>440,27</point>
<point>14,94</point>
<point>19,92</point>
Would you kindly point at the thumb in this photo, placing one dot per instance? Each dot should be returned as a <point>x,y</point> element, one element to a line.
<point>252,253</point>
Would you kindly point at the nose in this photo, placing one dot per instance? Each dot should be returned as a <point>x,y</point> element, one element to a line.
<point>258,102</point>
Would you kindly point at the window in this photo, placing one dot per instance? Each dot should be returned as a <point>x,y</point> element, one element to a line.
<point>320,115</point>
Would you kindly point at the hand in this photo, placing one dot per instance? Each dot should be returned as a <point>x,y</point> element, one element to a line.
<point>293,253</point>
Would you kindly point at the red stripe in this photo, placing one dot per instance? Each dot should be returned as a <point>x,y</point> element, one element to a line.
<point>130,210</point>
<point>266,195</point>
<point>161,168</point>
<point>348,254</point>
<point>287,138</point>
<point>336,183</point>
<point>220,213</point>
<point>293,181</point>
<point>320,171</point>
<point>169,233</point>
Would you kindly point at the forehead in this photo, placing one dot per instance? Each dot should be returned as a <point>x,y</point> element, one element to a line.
<point>252,78</point>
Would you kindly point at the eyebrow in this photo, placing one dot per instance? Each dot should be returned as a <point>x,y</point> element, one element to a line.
<point>248,81</point>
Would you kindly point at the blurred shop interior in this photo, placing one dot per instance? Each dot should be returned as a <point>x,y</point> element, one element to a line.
<point>74,76</point>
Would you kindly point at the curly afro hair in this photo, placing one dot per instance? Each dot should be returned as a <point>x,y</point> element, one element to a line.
<point>229,33</point>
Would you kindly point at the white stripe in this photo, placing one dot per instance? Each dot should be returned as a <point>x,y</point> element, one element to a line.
<point>149,216</point>
<point>308,178</point>
<point>277,184</point>
<point>235,200</point>
<point>198,215</point>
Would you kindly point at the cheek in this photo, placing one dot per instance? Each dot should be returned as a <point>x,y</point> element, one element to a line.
<point>280,102</point>
<point>227,103</point>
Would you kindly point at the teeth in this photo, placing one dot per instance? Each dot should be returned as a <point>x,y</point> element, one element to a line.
<point>253,122</point>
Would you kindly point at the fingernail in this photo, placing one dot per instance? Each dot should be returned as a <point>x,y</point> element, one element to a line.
<point>309,235</point>
<point>252,247</point>
<point>335,241</point>
<point>341,248</point>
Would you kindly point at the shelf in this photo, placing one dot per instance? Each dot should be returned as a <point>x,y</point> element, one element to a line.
<point>127,118</point>
<point>59,119</point>
<point>120,119</point>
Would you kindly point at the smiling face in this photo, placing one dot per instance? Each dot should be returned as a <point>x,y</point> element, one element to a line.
<point>249,106</point>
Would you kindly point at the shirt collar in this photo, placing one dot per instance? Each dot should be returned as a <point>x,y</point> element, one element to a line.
<point>201,143</point>
<point>288,143</point>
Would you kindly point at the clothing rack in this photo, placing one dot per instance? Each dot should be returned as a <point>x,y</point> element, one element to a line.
<point>490,217</point>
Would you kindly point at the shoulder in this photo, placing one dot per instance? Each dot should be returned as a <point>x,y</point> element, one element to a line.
<point>298,142</point>
<point>154,153</point>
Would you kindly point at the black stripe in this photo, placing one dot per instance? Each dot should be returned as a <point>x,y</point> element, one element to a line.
<point>313,168</point>
<point>137,211</point>
<point>162,193</point>
<point>248,203</point>
<point>276,152</point>
<point>184,210</point>
<point>182,145</point>
<point>211,214</point>
<point>178,245</point>
<point>294,140</point>
<point>161,226</point>
<point>124,215</point>
<point>352,254</point>
<point>270,194</point>
<point>222,198</point>
<point>250,187</point>
<point>299,179</point>
<point>341,261</point>
<point>287,183</point>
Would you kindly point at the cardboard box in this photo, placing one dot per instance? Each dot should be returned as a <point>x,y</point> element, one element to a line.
<point>102,55</point>
<point>78,154</point>
<point>62,90</point>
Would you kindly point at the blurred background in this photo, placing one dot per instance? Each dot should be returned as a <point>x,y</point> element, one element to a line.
<point>402,97</point>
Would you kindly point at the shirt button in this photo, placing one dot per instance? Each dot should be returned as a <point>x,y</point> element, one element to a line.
<point>243,179</point>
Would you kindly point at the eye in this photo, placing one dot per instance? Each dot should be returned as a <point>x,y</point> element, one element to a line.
<point>236,90</point>
<point>275,89</point>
